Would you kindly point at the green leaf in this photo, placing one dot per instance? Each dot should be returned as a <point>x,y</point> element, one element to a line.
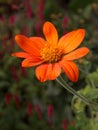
<point>93,77</point>
<point>96,126</point>
<point>93,94</point>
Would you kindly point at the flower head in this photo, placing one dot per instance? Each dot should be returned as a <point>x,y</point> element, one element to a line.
<point>51,54</point>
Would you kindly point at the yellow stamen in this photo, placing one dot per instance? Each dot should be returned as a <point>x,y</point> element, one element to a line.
<point>51,54</point>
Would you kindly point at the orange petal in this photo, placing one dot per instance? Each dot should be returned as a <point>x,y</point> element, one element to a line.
<point>77,54</point>
<point>28,62</point>
<point>21,54</point>
<point>53,71</point>
<point>38,42</point>
<point>41,72</point>
<point>48,72</point>
<point>50,33</point>
<point>70,69</point>
<point>27,45</point>
<point>72,40</point>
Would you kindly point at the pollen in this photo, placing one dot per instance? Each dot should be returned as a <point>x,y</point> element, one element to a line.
<point>51,54</point>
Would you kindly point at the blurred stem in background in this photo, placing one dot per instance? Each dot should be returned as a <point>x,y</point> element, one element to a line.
<point>63,83</point>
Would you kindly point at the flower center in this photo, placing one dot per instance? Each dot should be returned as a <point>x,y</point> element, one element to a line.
<point>51,54</point>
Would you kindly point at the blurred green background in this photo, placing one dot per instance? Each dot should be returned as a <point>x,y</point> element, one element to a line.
<point>27,104</point>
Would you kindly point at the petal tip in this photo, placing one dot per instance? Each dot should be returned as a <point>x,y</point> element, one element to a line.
<point>50,33</point>
<point>75,80</point>
<point>17,36</point>
<point>47,22</point>
<point>13,54</point>
<point>83,31</point>
<point>23,65</point>
<point>87,50</point>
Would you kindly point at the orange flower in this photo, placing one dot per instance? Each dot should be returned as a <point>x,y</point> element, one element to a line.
<point>52,55</point>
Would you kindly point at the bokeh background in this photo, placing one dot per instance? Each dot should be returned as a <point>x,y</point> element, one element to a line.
<point>25,102</point>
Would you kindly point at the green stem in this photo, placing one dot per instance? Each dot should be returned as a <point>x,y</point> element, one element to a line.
<point>71,90</point>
